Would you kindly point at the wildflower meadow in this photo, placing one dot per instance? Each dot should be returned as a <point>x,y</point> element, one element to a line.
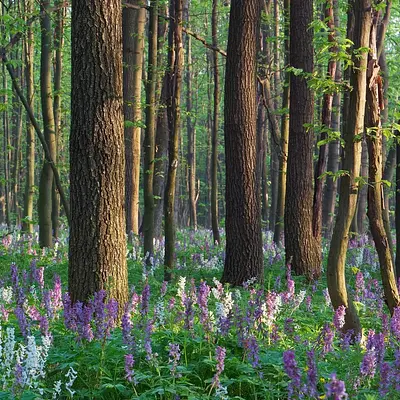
<point>192,338</point>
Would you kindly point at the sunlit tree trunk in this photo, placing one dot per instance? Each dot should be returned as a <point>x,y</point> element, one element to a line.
<point>359,17</point>
<point>46,176</point>
<point>133,23</point>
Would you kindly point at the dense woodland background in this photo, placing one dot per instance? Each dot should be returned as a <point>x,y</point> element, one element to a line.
<point>237,117</point>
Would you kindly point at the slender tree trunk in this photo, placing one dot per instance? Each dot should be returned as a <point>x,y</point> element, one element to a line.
<point>244,257</point>
<point>46,176</point>
<point>358,225</point>
<point>162,133</point>
<point>58,70</point>
<point>150,132</point>
<point>175,59</point>
<point>97,246</point>
<point>284,134</point>
<point>303,249</point>
<point>29,45</point>
<point>215,127</point>
<point>359,17</point>
<point>375,190</point>
<point>397,209</point>
<point>133,23</point>
<point>326,122</point>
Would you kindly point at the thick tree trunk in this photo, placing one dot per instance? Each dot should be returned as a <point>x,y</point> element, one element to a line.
<point>280,211</point>
<point>375,189</point>
<point>27,226</point>
<point>46,176</point>
<point>244,257</point>
<point>150,132</point>
<point>97,247</point>
<point>215,126</point>
<point>359,17</point>
<point>175,63</point>
<point>133,23</point>
<point>303,249</point>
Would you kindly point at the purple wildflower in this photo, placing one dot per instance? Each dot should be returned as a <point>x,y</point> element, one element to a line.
<point>22,321</point>
<point>360,287</point>
<point>311,388</point>
<point>174,357</point>
<point>100,313</point>
<point>220,354</point>
<point>327,336</point>
<point>384,383</point>
<point>336,389</point>
<point>308,303</point>
<point>338,319</point>
<point>288,326</point>
<point>144,309</point>
<point>56,293</point>
<point>395,323</point>
<point>129,363</point>
<point>147,340</point>
<point>48,305</point>
<point>189,313</point>
<point>112,314</point>
<point>163,290</point>
<point>44,325</point>
<point>69,315</point>
<point>252,348</point>
<point>293,372</point>
<point>368,364</point>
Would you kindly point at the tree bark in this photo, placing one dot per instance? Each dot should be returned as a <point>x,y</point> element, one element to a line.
<point>244,257</point>
<point>303,249</point>
<point>27,226</point>
<point>375,189</point>
<point>280,211</point>
<point>46,176</point>
<point>175,59</point>
<point>215,127</point>
<point>150,132</point>
<point>133,23</point>
<point>359,17</point>
<point>97,247</point>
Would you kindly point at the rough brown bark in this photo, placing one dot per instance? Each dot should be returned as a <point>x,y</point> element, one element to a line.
<point>359,17</point>
<point>46,176</point>
<point>175,59</point>
<point>133,23</point>
<point>244,257</point>
<point>375,189</point>
<point>303,249</point>
<point>97,247</point>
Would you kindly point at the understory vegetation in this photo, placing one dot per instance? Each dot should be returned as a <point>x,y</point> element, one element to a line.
<point>192,338</point>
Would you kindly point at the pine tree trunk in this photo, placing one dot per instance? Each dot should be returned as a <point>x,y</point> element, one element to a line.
<point>359,17</point>
<point>46,176</point>
<point>303,249</point>
<point>244,257</point>
<point>133,23</point>
<point>97,247</point>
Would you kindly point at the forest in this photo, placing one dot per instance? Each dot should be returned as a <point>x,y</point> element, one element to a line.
<point>199,199</point>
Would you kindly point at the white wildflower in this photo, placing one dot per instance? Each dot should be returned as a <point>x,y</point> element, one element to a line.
<point>56,390</point>
<point>181,289</point>
<point>71,375</point>
<point>6,294</point>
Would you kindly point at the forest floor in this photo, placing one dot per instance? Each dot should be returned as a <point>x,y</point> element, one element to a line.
<point>192,338</point>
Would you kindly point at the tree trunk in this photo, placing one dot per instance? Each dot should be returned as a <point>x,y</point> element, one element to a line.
<point>397,209</point>
<point>175,63</point>
<point>150,132</point>
<point>326,122</point>
<point>58,70</point>
<point>359,17</point>
<point>27,226</point>
<point>358,223</point>
<point>215,126</point>
<point>46,176</point>
<point>97,247</point>
<point>303,249</point>
<point>329,203</point>
<point>133,23</point>
<point>284,135</point>
<point>375,189</point>
<point>244,257</point>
